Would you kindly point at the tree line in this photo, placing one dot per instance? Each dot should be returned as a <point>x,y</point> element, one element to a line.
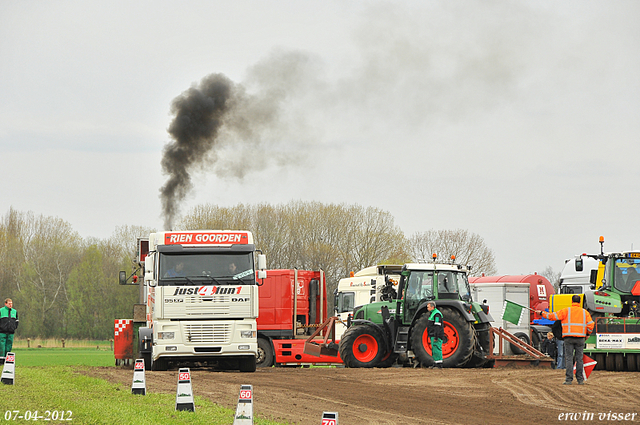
<point>66,286</point>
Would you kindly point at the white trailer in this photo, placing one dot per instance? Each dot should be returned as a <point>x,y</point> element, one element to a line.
<point>494,294</point>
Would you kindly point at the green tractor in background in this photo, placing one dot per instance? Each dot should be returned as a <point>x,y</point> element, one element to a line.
<point>614,305</point>
<point>381,333</point>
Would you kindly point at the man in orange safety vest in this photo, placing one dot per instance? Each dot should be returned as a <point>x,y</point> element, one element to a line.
<point>576,325</point>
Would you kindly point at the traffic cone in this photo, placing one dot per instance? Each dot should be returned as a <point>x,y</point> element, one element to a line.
<point>139,385</point>
<point>8,370</point>
<point>244,411</point>
<point>184,394</point>
<point>587,366</point>
<point>329,418</point>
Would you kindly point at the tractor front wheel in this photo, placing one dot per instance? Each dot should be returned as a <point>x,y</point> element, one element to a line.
<point>361,346</point>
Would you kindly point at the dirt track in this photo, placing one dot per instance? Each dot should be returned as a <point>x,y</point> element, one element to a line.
<point>409,396</point>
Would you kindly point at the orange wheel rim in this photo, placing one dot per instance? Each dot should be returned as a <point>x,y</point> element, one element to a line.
<point>365,348</point>
<point>449,347</point>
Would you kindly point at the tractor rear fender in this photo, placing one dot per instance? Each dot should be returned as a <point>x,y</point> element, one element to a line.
<point>454,304</point>
<point>484,317</point>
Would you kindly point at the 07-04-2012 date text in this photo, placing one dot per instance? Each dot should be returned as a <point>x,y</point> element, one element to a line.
<point>35,415</point>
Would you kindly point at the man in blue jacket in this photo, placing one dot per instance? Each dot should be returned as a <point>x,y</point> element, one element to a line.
<point>8,326</point>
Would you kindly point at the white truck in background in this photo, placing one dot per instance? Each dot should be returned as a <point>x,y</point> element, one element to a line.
<point>578,280</point>
<point>371,284</point>
<point>201,298</point>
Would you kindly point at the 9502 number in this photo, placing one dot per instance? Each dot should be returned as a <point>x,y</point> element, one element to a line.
<point>28,415</point>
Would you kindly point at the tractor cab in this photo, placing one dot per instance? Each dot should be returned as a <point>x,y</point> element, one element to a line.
<point>426,282</point>
<point>616,287</point>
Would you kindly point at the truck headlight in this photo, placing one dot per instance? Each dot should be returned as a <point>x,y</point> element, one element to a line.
<point>166,335</point>
<point>247,334</point>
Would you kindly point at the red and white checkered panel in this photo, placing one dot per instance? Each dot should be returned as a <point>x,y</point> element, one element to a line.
<point>123,339</point>
<point>121,325</point>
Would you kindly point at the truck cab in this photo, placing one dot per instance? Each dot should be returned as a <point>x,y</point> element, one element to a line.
<point>371,284</point>
<point>201,299</point>
<point>578,275</point>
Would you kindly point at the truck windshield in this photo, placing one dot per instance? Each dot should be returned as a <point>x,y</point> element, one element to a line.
<point>206,269</point>
<point>345,302</point>
<point>625,274</point>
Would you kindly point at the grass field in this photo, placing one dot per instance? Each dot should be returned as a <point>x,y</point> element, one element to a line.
<point>63,357</point>
<point>47,381</point>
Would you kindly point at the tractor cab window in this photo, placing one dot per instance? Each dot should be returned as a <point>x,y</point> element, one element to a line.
<point>447,286</point>
<point>420,286</point>
<point>453,285</point>
<point>625,274</point>
<point>419,289</point>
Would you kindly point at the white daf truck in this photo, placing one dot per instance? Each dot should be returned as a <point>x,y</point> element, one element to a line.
<point>201,299</point>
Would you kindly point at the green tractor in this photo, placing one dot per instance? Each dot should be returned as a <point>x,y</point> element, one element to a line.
<point>616,286</point>
<point>380,333</point>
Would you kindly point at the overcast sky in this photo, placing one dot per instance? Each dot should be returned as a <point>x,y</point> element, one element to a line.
<point>515,120</point>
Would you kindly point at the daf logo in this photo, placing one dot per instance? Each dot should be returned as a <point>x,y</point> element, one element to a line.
<point>240,300</point>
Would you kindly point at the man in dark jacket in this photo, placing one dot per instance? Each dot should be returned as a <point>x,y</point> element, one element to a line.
<point>549,347</point>
<point>8,326</point>
<point>556,328</point>
<point>436,333</point>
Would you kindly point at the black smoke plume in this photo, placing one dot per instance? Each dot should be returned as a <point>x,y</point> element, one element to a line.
<point>219,119</point>
<point>200,112</point>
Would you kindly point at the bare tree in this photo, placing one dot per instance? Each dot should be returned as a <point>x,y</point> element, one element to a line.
<point>311,235</point>
<point>468,248</point>
<point>552,276</point>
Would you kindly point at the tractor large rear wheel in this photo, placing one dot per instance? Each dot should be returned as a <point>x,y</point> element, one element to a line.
<point>361,346</point>
<point>458,345</point>
<point>481,351</point>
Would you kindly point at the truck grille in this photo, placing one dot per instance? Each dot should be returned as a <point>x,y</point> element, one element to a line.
<point>217,306</point>
<point>208,333</point>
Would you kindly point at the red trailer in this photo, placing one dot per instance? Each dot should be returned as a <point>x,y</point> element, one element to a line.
<point>285,295</point>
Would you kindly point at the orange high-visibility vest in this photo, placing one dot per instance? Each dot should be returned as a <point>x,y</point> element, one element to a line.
<point>576,321</point>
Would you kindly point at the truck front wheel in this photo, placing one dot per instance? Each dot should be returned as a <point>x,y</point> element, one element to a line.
<point>265,353</point>
<point>361,346</point>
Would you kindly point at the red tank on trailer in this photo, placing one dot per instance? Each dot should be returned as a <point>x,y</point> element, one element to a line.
<point>540,289</point>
